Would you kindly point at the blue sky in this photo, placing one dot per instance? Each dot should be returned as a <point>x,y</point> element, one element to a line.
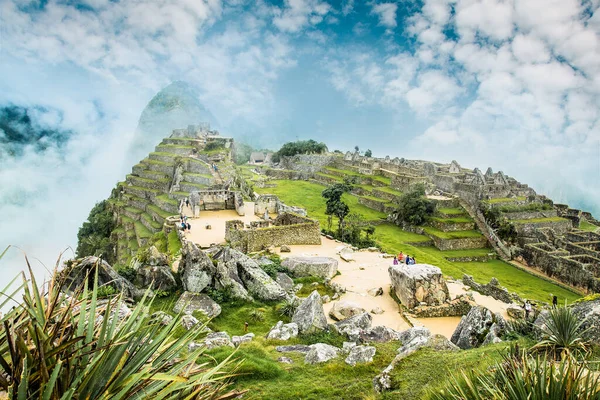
<point>511,84</point>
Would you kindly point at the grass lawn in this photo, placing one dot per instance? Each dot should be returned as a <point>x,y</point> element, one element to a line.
<point>308,196</point>
<point>535,220</point>
<point>586,226</point>
<point>504,200</point>
<point>452,220</point>
<point>452,211</point>
<point>452,235</point>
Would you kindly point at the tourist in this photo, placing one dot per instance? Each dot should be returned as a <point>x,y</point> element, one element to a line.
<point>188,226</point>
<point>245,327</point>
<point>554,301</point>
<point>400,256</point>
<point>183,226</point>
<point>527,307</point>
<point>395,260</point>
<point>413,261</point>
<point>407,259</point>
<point>187,201</point>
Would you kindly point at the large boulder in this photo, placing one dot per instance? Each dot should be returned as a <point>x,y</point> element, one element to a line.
<point>155,257</point>
<point>418,283</point>
<point>285,282</point>
<point>157,277</point>
<point>322,267</point>
<point>344,309</point>
<point>353,327</point>
<point>309,316</point>
<point>589,313</point>
<point>196,268</point>
<point>379,334</point>
<point>480,326</point>
<point>283,331</point>
<point>294,348</point>
<point>320,353</point>
<point>189,302</point>
<point>360,355</point>
<point>237,340</point>
<point>78,272</point>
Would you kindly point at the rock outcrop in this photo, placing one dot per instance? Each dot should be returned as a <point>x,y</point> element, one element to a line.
<point>285,282</point>
<point>322,267</point>
<point>589,313</point>
<point>320,353</point>
<point>189,302</point>
<point>480,326</point>
<point>309,316</point>
<point>360,355</point>
<point>283,331</point>
<point>237,340</point>
<point>418,283</point>
<point>344,309</point>
<point>196,268</point>
<point>157,277</point>
<point>353,327</point>
<point>379,334</point>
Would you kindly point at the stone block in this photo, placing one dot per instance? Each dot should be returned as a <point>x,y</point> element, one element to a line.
<point>418,283</point>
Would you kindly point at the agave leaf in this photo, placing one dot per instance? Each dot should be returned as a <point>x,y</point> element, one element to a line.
<point>23,383</point>
<point>49,390</point>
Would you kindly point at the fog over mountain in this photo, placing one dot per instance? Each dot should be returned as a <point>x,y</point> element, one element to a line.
<point>88,88</point>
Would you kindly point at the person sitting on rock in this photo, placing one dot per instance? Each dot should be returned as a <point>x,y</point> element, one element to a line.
<point>395,260</point>
<point>400,256</point>
<point>407,259</point>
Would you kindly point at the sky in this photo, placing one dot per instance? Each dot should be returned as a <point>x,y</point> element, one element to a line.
<point>511,84</point>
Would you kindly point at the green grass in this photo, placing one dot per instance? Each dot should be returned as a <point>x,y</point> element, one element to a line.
<point>389,190</point>
<point>159,211</point>
<point>209,176</point>
<point>165,198</point>
<point>453,220</point>
<point>379,178</point>
<point>308,195</point>
<point>452,235</point>
<point>155,191</point>
<point>538,220</point>
<point>141,231</point>
<point>586,226</point>
<point>134,210</point>
<point>175,146</point>
<point>135,177</point>
<point>173,243</point>
<point>151,221</point>
<point>505,200</point>
<point>451,211</point>
<point>157,162</point>
<point>335,178</point>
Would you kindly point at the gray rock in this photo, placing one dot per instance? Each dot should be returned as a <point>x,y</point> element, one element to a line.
<point>379,334</point>
<point>196,268</point>
<point>295,348</point>
<point>157,277</point>
<point>344,309</point>
<point>413,284</point>
<point>257,282</point>
<point>320,353</point>
<point>515,312</point>
<point>190,302</point>
<point>353,326</point>
<point>107,276</point>
<point>480,326</point>
<point>188,322</point>
<point>309,316</point>
<point>347,346</point>
<point>377,311</point>
<point>217,339</point>
<point>412,340</point>
<point>285,249</point>
<point>325,298</point>
<point>162,317</point>
<point>589,313</point>
<point>285,282</point>
<point>346,254</point>
<point>283,331</point>
<point>285,360</point>
<point>237,340</point>
<point>375,292</point>
<point>323,267</point>
<point>155,257</point>
<point>360,354</point>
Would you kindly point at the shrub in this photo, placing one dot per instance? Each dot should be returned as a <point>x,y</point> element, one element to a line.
<point>289,306</point>
<point>106,291</point>
<point>414,207</point>
<point>562,335</point>
<point>93,238</point>
<point>224,295</point>
<point>54,347</point>
<point>126,272</point>
<point>257,315</point>
<point>517,328</point>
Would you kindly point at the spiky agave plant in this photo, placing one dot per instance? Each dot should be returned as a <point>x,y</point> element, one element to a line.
<point>524,378</point>
<point>55,346</point>
<point>562,335</point>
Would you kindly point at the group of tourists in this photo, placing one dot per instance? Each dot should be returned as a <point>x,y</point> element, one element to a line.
<point>404,259</point>
<point>184,224</point>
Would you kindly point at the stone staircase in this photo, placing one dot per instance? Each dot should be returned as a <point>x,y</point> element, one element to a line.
<point>487,231</point>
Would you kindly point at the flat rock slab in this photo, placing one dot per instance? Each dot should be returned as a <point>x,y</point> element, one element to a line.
<point>320,353</point>
<point>190,302</point>
<point>294,348</point>
<point>322,267</point>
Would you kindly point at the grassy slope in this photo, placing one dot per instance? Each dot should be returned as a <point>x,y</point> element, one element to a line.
<point>586,226</point>
<point>393,239</point>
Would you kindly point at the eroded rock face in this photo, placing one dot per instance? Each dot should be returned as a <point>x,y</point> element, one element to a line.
<point>162,317</point>
<point>379,334</point>
<point>78,272</point>
<point>344,309</point>
<point>188,322</point>
<point>480,326</point>
<point>217,339</point>
<point>360,355</point>
<point>157,277</point>
<point>590,312</point>
<point>320,353</point>
<point>189,302</point>
<point>285,282</point>
<point>237,340</point>
<point>294,348</point>
<point>353,327</point>
<point>196,268</point>
<point>418,283</point>
<point>323,267</point>
<point>309,316</point>
<point>283,331</point>
<point>155,257</point>
<point>515,312</point>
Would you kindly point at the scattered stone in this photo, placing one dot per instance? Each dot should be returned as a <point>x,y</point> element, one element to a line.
<point>360,354</point>
<point>271,249</point>
<point>283,331</point>
<point>285,360</point>
<point>295,348</point>
<point>480,326</point>
<point>377,311</point>
<point>285,282</point>
<point>515,312</point>
<point>375,292</point>
<point>379,334</point>
<point>492,289</point>
<point>162,317</point>
<point>346,254</point>
<point>256,280</point>
<point>372,249</point>
<point>336,287</point>
<point>589,313</point>
<point>309,316</point>
<point>285,249</point>
<point>325,298</point>
<point>217,339</point>
<point>208,227</point>
<point>188,322</point>
<point>320,353</point>
<point>344,309</point>
<point>237,340</point>
<point>459,306</point>
<point>347,346</point>
<point>352,327</point>
<point>323,267</point>
<point>155,257</point>
<point>413,284</point>
<point>315,284</point>
<point>335,296</point>
<point>190,302</point>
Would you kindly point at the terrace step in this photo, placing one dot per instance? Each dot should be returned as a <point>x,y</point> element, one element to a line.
<point>161,184</point>
<point>141,192</point>
<point>153,175</point>
<point>177,150</point>
<point>168,158</point>
<point>201,179</point>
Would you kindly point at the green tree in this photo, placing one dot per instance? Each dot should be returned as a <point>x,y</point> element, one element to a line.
<point>356,148</point>
<point>299,147</point>
<point>334,206</point>
<point>368,153</point>
<point>93,237</point>
<point>414,207</point>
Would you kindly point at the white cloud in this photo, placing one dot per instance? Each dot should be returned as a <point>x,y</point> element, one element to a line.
<point>386,12</point>
<point>529,49</point>
<point>298,14</point>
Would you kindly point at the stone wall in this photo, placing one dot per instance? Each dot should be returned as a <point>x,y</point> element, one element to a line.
<point>308,163</point>
<point>492,289</point>
<point>559,227</point>
<point>459,244</point>
<point>530,214</point>
<point>452,226</point>
<point>265,202</point>
<point>555,264</point>
<point>404,182</point>
<point>373,204</point>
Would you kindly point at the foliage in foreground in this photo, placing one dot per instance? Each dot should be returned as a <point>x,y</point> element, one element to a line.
<point>520,376</point>
<point>56,346</point>
<point>93,238</point>
<point>562,336</point>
